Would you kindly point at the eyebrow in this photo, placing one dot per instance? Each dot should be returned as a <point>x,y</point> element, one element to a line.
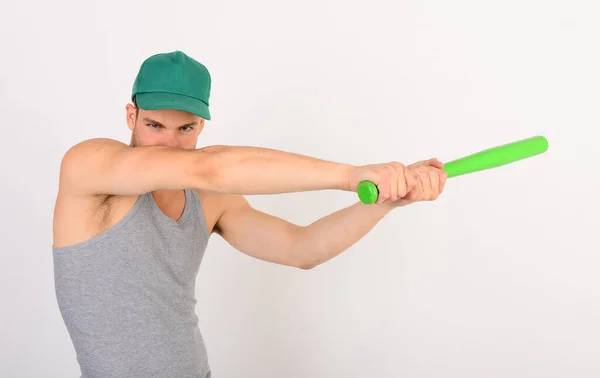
<point>150,120</point>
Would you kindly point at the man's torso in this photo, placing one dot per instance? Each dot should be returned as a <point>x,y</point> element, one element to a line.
<point>125,270</point>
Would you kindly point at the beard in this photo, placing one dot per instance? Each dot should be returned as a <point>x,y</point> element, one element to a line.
<point>134,141</point>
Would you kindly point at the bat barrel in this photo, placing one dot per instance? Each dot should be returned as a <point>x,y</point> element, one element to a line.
<point>497,156</point>
<point>482,160</point>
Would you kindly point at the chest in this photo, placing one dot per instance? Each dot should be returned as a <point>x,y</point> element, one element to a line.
<point>171,206</point>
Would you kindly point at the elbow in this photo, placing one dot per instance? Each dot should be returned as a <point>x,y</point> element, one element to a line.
<point>310,252</point>
<point>318,258</point>
<point>307,265</point>
<point>302,255</point>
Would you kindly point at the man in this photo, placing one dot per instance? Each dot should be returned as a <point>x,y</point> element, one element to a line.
<point>131,222</point>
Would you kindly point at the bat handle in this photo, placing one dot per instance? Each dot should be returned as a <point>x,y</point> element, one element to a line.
<point>367,192</point>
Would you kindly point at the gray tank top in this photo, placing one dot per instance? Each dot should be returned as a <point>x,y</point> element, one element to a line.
<point>127,296</point>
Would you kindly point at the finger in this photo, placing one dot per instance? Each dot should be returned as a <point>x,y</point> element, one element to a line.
<point>393,168</point>
<point>384,186</point>
<point>435,163</point>
<point>402,184</point>
<point>425,184</point>
<point>434,178</point>
<point>417,181</point>
<point>410,181</point>
<point>416,188</point>
<point>443,176</point>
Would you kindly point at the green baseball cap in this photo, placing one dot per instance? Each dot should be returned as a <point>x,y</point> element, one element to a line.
<point>173,81</point>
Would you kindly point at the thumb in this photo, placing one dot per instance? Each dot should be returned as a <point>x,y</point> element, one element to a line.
<point>435,163</point>
<point>412,180</point>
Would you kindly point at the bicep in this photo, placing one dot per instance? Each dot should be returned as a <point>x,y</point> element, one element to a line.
<point>257,233</point>
<point>108,167</point>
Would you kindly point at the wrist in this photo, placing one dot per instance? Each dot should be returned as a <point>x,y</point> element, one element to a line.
<point>345,175</point>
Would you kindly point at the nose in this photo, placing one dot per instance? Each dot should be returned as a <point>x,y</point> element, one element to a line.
<point>171,140</point>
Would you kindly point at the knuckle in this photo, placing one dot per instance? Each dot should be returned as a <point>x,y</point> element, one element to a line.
<point>391,170</point>
<point>398,167</point>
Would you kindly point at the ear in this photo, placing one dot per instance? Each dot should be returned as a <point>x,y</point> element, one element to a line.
<point>131,115</point>
<point>201,125</point>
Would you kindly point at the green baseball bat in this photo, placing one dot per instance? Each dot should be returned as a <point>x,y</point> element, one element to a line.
<point>479,161</point>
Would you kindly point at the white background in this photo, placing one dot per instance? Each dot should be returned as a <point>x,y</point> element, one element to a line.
<point>497,278</point>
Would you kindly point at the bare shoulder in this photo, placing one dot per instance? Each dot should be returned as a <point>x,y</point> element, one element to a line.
<point>74,163</point>
<point>94,144</point>
<point>85,149</point>
<point>83,155</point>
<point>78,217</point>
<point>215,205</point>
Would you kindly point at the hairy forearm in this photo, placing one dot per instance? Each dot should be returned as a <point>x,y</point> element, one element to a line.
<point>256,170</point>
<point>331,235</point>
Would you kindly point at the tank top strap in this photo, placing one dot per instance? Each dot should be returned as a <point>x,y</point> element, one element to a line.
<point>198,210</point>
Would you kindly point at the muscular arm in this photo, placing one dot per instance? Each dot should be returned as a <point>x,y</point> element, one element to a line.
<point>335,233</point>
<point>104,166</point>
<point>272,239</point>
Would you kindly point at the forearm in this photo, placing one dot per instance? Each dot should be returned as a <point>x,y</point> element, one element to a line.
<point>331,235</point>
<point>255,170</point>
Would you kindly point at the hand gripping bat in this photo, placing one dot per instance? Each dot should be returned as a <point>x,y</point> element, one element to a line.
<point>479,161</point>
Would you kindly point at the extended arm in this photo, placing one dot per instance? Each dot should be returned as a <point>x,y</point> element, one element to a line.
<point>104,166</point>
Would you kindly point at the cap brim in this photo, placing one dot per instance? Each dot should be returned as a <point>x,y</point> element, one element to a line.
<point>159,101</point>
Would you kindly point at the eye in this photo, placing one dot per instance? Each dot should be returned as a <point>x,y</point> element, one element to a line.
<point>186,128</point>
<point>154,126</point>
